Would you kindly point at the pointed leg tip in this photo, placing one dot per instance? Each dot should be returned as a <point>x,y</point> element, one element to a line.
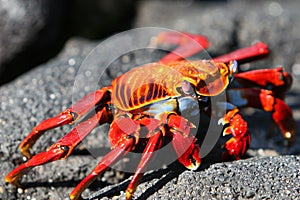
<point>7,179</point>
<point>14,180</point>
<point>74,196</point>
<point>25,152</point>
<point>290,137</point>
<point>129,194</point>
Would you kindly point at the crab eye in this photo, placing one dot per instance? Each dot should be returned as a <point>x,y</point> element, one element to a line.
<point>187,87</point>
<point>233,67</point>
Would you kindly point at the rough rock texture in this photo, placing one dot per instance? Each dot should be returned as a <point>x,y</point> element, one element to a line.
<point>255,178</point>
<point>48,89</point>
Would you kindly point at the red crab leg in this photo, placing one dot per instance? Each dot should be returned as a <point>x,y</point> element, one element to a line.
<point>124,145</point>
<point>183,142</point>
<point>68,116</point>
<point>189,44</point>
<point>279,80</point>
<point>60,149</point>
<point>154,143</point>
<point>264,100</point>
<point>108,160</point>
<point>123,136</point>
<point>237,127</point>
<point>246,54</point>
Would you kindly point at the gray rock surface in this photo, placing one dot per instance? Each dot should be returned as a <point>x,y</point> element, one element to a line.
<point>255,178</point>
<point>46,90</point>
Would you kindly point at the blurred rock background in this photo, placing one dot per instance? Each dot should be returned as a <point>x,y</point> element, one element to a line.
<point>44,42</point>
<point>32,32</point>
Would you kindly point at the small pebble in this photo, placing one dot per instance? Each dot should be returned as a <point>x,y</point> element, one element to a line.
<point>20,190</point>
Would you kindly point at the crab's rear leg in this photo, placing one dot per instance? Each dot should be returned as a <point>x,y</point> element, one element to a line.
<point>265,100</point>
<point>246,54</point>
<point>188,44</point>
<point>62,148</point>
<point>68,116</point>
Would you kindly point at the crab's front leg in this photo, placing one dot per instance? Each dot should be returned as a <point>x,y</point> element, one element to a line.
<point>235,126</point>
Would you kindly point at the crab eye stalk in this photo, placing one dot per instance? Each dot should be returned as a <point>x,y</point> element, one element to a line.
<point>187,88</point>
<point>233,68</point>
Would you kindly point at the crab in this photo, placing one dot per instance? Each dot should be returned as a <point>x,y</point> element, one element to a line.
<point>153,97</point>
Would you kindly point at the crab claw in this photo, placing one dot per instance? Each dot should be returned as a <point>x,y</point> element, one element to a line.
<point>238,144</point>
<point>183,142</point>
<point>188,157</point>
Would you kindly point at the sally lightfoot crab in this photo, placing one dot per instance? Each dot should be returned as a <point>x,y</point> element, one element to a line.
<point>153,97</point>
